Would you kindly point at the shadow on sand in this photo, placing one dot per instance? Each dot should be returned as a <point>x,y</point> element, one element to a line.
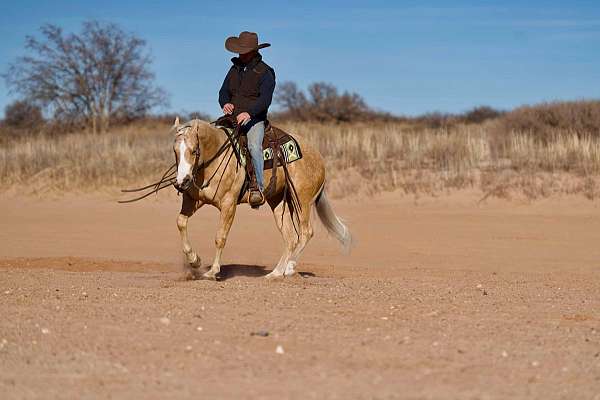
<point>232,270</point>
<point>254,271</point>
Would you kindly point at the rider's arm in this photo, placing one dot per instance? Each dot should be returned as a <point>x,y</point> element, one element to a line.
<point>224,94</point>
<point>267,87</point>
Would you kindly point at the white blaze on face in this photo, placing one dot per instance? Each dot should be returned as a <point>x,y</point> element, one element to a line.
<point>184,167</point>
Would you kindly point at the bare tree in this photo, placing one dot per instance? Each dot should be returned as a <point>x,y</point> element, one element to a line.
<point>323,103</point>
<point>291,100</point>
<point>329,105</point>
<point>100,73</point>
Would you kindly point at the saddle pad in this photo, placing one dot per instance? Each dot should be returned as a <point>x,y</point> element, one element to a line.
<point>289,148</point>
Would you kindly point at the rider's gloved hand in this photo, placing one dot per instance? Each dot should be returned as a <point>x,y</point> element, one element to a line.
<point>228,109</point>
<point>243,118</point>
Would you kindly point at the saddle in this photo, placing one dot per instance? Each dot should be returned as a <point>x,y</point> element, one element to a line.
<point>279,149</point>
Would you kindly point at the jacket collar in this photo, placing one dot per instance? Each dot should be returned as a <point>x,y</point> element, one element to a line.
<point>251,64</point>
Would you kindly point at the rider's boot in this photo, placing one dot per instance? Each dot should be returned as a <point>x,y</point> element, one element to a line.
<point>256,198</point>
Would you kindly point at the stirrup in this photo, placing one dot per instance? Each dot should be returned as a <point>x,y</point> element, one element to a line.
<point>256,198</point>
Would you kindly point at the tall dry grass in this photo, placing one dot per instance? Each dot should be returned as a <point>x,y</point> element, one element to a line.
<point>84,161</point>
<point>362,159</point>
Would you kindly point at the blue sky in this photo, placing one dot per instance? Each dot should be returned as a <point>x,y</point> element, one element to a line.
<point>406,57</point>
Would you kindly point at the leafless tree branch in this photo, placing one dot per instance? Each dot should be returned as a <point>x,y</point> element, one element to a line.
<point>99,74</point>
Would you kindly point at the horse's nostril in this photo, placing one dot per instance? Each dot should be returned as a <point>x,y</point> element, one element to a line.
<point>185,183</point>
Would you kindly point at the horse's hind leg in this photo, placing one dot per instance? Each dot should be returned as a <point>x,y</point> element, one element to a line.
<point>290,239</point>
<point>188,208</point>
<point>305,233</point>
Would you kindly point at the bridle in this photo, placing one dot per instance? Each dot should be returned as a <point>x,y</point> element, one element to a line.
<point>196,152</point>
<point>168,177</point>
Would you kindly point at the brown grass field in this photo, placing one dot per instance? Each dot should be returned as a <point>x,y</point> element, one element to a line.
<point>362,160</point>
<point>474,273</point>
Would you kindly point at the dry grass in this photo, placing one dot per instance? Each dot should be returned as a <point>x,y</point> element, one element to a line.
<point>546,121</point>
<point>362,159</point>
<point>83,161</point>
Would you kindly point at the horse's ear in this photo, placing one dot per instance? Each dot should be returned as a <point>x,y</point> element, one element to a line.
<point>176,123</point>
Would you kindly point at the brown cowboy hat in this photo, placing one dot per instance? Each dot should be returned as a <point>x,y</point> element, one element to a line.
<point>245,43</point>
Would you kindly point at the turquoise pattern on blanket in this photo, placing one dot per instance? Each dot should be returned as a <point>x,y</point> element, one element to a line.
<point>289,149</point>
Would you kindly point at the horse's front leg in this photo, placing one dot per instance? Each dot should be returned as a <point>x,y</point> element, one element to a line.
<point>228,207</point>
<point>188,208</point>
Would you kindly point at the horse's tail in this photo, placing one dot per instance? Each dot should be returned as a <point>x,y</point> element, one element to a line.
<point>335,226</point>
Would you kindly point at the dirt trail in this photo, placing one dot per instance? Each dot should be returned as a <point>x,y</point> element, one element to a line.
<point>442,298</point>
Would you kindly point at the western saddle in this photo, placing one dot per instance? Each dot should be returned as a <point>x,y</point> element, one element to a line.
<point>279,149</point>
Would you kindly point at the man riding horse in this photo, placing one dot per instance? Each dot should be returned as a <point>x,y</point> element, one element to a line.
<point>206,171</point>
<point>246,94</point>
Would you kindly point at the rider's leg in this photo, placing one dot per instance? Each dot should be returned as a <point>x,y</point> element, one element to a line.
<point>255,140</point>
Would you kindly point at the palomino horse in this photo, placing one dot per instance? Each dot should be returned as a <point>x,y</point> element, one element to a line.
<point>208,174</point>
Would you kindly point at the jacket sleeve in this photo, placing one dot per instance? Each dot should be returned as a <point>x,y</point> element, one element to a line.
<point>266,89</point>
<point>224,93</point>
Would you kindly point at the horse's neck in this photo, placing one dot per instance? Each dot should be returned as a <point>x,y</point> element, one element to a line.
<point>212,143</point>
<point>220,166</point>
<point>211,139</point>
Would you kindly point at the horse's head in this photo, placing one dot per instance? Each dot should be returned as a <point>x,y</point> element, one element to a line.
<point>187,153</point>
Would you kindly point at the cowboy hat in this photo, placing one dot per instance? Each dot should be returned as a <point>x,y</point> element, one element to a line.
<point>245,43</point>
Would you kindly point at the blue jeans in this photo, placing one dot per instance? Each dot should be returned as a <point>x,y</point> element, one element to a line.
<point>255,139</point>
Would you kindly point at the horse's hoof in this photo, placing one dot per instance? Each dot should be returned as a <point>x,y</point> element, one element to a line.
<point>211,276</point>
<point>271,276</point>
<point>192,275</point>
<point>196,263</point>
<point>290,269</point>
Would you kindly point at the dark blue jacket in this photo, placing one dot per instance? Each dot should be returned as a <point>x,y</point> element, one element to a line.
<point>254,86</point>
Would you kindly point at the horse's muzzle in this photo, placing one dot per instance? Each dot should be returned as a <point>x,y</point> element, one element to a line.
<point>185,184</point>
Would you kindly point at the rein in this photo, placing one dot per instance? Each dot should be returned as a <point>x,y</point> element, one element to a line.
<point>168,177</point>
<point>225,146</point>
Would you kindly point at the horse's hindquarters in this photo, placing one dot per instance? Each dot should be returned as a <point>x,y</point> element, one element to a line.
<point>307,175</point>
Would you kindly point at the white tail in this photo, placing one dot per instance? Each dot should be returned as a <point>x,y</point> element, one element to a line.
<point>335,226</point>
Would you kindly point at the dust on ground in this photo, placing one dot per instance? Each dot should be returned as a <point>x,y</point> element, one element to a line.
<point>441,298</point>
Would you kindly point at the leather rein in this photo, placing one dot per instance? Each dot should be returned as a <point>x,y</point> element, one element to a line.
<point>196,152</point>
<point>168,177</point>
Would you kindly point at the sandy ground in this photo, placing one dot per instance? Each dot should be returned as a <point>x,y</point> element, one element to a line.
<point>440,299</point>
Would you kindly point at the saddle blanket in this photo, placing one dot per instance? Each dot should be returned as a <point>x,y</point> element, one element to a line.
<point>288,145</point>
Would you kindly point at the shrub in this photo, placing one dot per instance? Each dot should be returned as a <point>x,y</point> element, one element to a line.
<point>480,114</point>
<point>545,124</point>
<point>23,115</point>
<point>323,103</point>
<point>547,120</point>
<point>435,120</point>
